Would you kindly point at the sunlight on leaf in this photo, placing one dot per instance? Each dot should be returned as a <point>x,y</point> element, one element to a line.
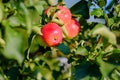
<point>105,68</point>
<point>82,51</point>
<point>105,32</point>
<point>27,17</point>
<point>1,12</point>
<point>97,12</point>
<point>2,43</point>
<point>13,47</point>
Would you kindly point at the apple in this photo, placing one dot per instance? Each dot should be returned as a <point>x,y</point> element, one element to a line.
<point>59,14</point>
<point>71,29</point>
<point>63,14</point>
<point>52,34</point>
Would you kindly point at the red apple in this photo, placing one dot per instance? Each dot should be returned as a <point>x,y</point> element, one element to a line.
<point>51,34</point>
<point>61,13</point>
<point>71,29</point>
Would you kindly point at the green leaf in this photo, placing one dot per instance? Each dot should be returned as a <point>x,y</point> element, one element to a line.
<point>14,45</point>
<point>46,73</point>
<point>27,17</point>
<point>117,10</point>
<point>2,43</point>
<point>30,40</point>
<point>81,8</point>
<point>1,77</point>
<point>51,62</point>
<point>102,3</point>
<point>117,51</point>
<point>17,21</point>
<point>34,41</point>
<point>97,12</point>
<point>63,48</point>
<point>40,41</point>
<point>40,6</point>
<point>37,30</point>
<point>110,21</point>
<point>113,57</point>
<point>85,71</point>
<point>1,12</point>
<point>13,73</point>
<point>115,75</point>
<point>82,51</point>
<point>104,32</point>
<point>47,66</point>
<point>105,68</point>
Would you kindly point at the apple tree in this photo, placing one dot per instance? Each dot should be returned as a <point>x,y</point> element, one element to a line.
<point>46,40</point>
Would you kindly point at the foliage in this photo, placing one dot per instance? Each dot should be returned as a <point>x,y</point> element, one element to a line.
<point>92,55</point>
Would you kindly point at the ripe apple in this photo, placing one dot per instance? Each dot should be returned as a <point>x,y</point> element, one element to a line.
<point>71,29</point>
<point>61,13</point>
<point>52,34</point>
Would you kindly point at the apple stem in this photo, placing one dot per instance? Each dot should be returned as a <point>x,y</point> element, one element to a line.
<point>54,19</point>
<point>37,30</point>
<point>57,21</point>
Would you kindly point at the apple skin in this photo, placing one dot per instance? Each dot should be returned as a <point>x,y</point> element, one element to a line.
<point>61,13</point>
<point>52,34</point>
<point>71,29</point>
